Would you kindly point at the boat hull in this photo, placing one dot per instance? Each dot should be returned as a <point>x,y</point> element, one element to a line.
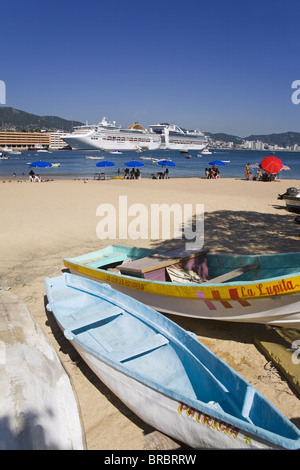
<point>178,420</point>
<point>188,146</point>
<point>38,407</point>
<point>163,373</point>
<point>292,203</point>
<point>234,302</point>
<point>89,143</point>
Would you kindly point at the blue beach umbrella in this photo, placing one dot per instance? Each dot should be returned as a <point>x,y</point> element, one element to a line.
<point>166,162</point>
<point>40,164</point>
<point>218,162</point>
<point>105,163</point>
<point>134,164</point>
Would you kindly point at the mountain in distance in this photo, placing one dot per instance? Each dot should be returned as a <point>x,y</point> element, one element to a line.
<point>285,139</point>
<point>224,137</point>
<point>14,119</point>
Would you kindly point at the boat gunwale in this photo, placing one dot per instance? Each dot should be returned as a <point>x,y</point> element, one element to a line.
<point>192,287</point>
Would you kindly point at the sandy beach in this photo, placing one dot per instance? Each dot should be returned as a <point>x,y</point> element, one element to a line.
<point>42,223</point>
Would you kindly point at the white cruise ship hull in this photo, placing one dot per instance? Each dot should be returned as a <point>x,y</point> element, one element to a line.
<point>175,138</point>
<point>97,143</point>
<point>186,146</point>
<point>108,136</point>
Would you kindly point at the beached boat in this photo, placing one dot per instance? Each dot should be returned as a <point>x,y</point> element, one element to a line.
<point>292,199</point>
<point>241,288</point>
<point>38,407</point>
<point>163,373</point>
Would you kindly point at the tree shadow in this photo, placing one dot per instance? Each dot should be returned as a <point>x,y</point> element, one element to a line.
<point>242,232</point>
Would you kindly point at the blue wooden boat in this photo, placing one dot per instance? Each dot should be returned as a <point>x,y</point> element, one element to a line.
<point>163,373</point>
<point>240,288</point>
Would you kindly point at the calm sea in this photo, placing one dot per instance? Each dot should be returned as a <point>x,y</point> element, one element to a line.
<point>74,164</point>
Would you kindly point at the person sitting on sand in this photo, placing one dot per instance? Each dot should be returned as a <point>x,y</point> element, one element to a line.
<point>258,175</point>
<point>33,177</point>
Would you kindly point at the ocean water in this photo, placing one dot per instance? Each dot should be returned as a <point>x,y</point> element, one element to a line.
<point>74,164</point>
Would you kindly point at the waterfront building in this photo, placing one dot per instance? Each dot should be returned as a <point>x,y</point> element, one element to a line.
<point>31,140</point>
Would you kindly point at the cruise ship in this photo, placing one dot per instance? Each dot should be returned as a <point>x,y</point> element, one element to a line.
<point>176,138</point>
<point>108,136</point>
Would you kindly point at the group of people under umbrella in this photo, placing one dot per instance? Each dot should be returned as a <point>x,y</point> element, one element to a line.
<point>267,169</point>
<point>135,165</point>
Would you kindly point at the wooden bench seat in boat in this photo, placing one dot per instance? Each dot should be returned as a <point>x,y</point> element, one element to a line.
<point>93,320</point>
<point>141,347</point>
<point>144,267</point>
<point>232,274</point>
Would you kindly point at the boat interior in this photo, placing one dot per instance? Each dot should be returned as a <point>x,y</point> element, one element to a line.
<point>185,369</point>
<point>182,266</point>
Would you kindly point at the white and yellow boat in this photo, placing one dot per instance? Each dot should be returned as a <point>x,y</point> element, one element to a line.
<point>242,288</point>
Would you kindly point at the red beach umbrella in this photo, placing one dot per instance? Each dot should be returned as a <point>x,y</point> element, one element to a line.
<point>271,164</point>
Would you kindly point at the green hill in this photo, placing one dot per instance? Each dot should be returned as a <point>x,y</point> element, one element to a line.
<point>285,139</point>
<point>11,118</point>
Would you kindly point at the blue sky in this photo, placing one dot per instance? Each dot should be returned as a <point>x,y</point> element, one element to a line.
<point>221,66</point>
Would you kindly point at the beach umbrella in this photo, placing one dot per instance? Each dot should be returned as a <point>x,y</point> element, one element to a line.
<point>271,164</point>
<point>218,162</point>
<point>105,163</point>
<point>285,167</point>
<point>254,165</point>
<point>166,162</point>
<point>40,164</point>
<point>134,164</point>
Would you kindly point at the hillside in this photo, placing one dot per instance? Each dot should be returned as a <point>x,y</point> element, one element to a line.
<point>14,119</point>
<point>285,139</point>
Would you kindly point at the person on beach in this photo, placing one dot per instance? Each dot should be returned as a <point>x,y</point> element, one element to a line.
<point>246,170</point>
<point>214,173</point>
<point>166,173</point>
<point>33,177</point>
<point>258,175</point>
